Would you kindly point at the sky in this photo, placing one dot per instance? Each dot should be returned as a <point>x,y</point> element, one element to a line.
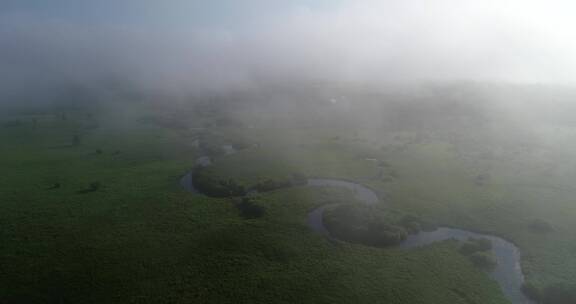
<point>179,46</point>
<point>168,14</point>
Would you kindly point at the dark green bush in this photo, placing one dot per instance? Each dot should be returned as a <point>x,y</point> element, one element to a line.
<point>92,187</point>
<point>240,145</point>
<point>296,179</point>
<point>473,245</point>
<point>478,250</point>
<point>299,178</point>
<point>251,207</point>
<point>76,140</point>
<point>532,291</point>
<point>12,123</point>
<point>212,150</point>
<point>540,226</point>
<point>411,223</point>
<point>559,294</point>
<point>483,260</point>
<point>205,183</point>
<point>272,184</point>
<point>95,186</point>
<point>364,225</point>
<point>414,224</point>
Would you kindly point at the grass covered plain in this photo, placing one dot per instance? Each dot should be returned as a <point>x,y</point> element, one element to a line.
<point>141,239</point>
<point>436,179</point>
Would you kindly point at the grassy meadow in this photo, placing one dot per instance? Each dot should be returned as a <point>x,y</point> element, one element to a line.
<point>137,237</point>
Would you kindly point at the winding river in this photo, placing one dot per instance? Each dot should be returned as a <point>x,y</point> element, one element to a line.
<point>507,273</point>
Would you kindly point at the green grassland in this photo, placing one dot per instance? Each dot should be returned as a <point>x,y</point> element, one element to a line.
<point>435,179</point>
<point>139,238</point>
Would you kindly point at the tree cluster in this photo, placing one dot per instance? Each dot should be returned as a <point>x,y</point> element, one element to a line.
<point>204,181</point>
<point>479,251</point>
<point>553,294</point>
<point>250,207</point>
<point>364,225</point>
<point>296,179</point>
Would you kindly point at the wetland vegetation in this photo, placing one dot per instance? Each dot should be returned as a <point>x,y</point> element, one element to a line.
<point>309,151</point>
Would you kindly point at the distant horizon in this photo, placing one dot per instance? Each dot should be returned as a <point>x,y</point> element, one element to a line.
<point>185,46</point>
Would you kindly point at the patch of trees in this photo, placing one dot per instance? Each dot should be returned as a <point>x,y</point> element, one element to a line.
<point>553,294</point>
<point>211,145</point>
<point>482,179</point>
<point>227,121</point>
<point>299,179</point>
<point>484,260</point>
<point>207,184</point>
<point>386,172</point>
<point>92,187</point>
<point>250,207</point>
<point>296,179</point>
<point>479,251</point>
<point>76,140</point>
<point>240,144</point>
<point>414,224</point>
<point>55,186</point>
<point>531,291</point>
<point>214,144</point>
<point>12,123</point>
<point>473,245</point>
<point>540,226</point>
<point>212,149</point>
<point>164,122</point>
<point>364,224</point>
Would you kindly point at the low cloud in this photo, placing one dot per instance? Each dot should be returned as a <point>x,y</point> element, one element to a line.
<point>358,41</point>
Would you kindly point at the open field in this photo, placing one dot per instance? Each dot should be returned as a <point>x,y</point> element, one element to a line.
<point>306,151</point>
<point>435,175</point>
<point>139,238</point>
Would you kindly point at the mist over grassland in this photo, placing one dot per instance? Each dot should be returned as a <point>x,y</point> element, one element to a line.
<point>510,58</point>
<point>458,114</point>
<point>180,48</point>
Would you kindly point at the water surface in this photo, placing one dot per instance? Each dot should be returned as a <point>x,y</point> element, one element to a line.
<point>508,272</point>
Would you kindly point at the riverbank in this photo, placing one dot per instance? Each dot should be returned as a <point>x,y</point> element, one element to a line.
<point>507,273</point>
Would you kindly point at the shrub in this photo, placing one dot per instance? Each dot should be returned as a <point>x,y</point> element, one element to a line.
<point>163,121</point>
<point>478,250</point>
<point>272,184</point>
<point>411,223</point>
<point>474,245</point>
<point>540,226</point>
<point>412,227</point>
<point>212,150</point>
<point>414,224</point>
<point>76,140</point>
<point>12,123</point>
<point>250,208</point>
<point>363,224</point>
<point>559,294</point>
<point>481,179</point>
<point>240,145</point>
<point>95,186</point>
<point>204,181</point>
<point>54,186</point>
<point>299,178</point>
<point>483,260</point>
<point>92,187</point>
<point>532,291</point>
